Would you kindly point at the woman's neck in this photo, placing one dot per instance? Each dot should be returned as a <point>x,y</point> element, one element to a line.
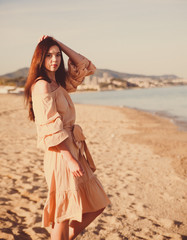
<point>51,76</point>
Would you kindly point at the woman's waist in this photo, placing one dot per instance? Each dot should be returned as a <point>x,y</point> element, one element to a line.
<point>75,131</point>
<point>69,128</point>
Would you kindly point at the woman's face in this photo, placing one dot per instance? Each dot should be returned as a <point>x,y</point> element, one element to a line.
<point>53,59</point>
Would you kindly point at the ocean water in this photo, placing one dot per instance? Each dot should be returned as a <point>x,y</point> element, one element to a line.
<point>167,101</point>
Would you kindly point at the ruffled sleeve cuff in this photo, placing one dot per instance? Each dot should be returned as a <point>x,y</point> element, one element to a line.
<point>54,139</point>
<point>77,73</point>
<point>51,133</point>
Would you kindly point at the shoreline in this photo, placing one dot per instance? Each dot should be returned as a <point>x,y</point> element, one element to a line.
<point>181,123</point>
<point>168,127</point>
<point>170,133</point>
<point>174,130</point>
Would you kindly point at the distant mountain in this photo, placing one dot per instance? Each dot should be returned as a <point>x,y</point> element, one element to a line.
<point>115,74</point>
<point>23,72</point>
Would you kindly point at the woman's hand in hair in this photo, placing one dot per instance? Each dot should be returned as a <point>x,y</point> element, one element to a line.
<point>43,37</point>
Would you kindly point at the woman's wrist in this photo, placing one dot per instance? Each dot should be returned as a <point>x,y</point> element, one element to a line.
<point>60,44</point>
<point>67,156</point>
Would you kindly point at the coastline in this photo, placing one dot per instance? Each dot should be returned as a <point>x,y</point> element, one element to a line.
<point>177,120</point>
<point>167,102</point>
<point>180,124</point>
<point>140,159</point>
<point>170,135</point>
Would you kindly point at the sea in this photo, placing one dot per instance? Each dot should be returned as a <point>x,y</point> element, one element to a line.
<point>170,102</point>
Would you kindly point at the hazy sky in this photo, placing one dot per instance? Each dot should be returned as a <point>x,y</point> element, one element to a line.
<point>133,36</point>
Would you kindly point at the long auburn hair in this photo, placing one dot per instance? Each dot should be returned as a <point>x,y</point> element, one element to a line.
<point>37,71</point>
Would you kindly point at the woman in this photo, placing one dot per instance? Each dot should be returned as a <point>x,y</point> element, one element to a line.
<point>75,196</point>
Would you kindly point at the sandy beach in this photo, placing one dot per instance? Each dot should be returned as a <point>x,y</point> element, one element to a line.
<point>141,161</point>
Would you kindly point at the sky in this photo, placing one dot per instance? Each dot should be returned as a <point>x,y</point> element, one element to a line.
<point>134,36</point>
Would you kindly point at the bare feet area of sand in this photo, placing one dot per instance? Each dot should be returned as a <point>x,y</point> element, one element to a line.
<point>141,162</point>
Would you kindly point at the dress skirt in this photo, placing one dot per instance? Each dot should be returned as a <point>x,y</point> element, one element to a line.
<point>68,196</point>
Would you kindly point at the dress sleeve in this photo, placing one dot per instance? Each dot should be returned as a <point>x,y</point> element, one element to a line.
<point>77,73</point>
<point>48,121</point>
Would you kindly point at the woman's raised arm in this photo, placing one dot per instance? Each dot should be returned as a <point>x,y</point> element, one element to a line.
<point>75,57</point>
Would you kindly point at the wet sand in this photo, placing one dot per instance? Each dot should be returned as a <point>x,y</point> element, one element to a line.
<point>141,162</point>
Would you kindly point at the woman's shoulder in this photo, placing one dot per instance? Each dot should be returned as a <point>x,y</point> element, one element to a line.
<point>45,90</point>
<point>41,87</point>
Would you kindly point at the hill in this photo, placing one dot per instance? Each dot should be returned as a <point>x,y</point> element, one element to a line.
<point>98,73</point>
<point>103,79</point>
<point>23,72</point>
<point>121,75</point>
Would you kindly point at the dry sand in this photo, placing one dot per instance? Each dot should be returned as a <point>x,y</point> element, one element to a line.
<point>141,162</point>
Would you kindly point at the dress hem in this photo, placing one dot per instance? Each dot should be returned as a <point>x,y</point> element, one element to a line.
<point>73,218</point>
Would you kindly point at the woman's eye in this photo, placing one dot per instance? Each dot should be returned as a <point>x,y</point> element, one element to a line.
<point>48,55</point>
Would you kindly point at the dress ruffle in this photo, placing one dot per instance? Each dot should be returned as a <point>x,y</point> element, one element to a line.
<point>51,133</point>
<point>70,205</point>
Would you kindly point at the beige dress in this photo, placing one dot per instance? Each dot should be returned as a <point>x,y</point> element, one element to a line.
<point>68,196</point>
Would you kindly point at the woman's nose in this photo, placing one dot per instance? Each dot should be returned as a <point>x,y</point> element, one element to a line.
<point>54,58</point>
